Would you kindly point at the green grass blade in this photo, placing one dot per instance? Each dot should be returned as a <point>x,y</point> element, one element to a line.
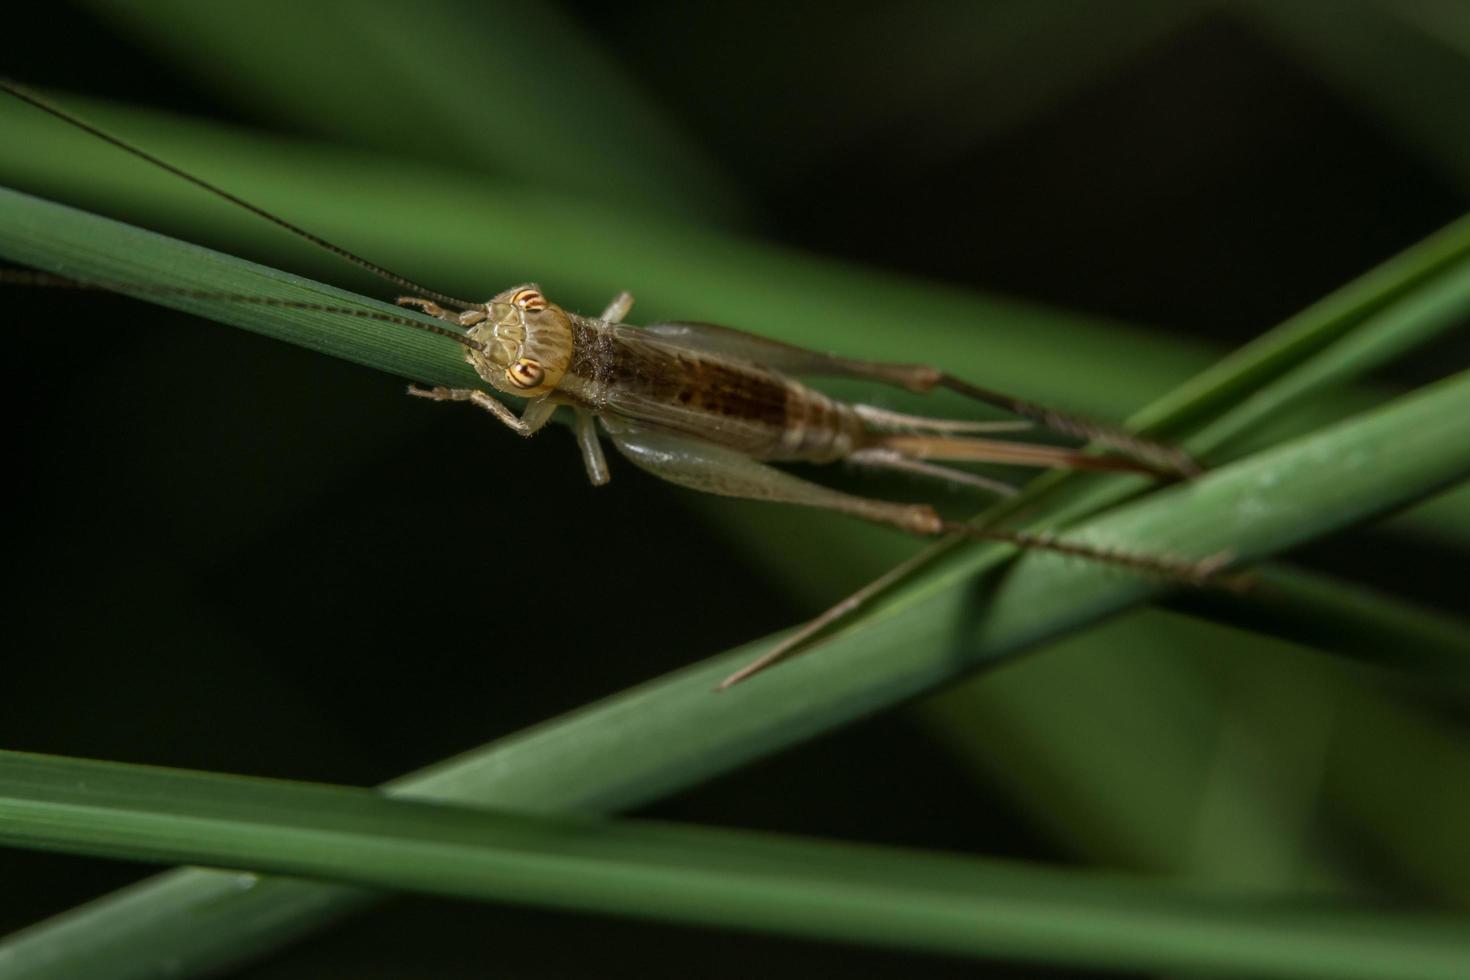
<point>1437,304</point>
<point>69,242</point>
<point>673,732</point>
<point>1409,300</point>
<point>1314,329</point>
<point>918,900</point>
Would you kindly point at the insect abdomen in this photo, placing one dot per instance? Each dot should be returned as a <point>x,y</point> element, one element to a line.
<point>818,429</point>
<point>728,402</point>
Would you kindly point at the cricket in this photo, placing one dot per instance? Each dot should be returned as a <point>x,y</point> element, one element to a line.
<point>715,409</point>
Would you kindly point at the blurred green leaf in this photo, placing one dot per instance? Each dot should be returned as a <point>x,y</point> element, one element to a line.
<point>1337,616</point>
<point>1222,756</point>
<point>1140,724</point>
<point>1404,61</point>
<point>1375,777</point>
<point>468,84</point>
<point>987,70</point>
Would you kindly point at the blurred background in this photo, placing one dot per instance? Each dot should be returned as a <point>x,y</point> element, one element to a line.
<point>233,555</point>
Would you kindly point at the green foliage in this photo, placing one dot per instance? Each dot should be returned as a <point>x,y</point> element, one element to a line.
<point>1197,743</point>
<point>675,732</point>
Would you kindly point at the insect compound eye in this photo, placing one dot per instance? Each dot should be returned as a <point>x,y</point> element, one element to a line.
<point>525,373</point>
<point>529,300</point>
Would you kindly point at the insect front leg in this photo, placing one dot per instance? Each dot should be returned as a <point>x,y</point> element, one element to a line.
<point>465,318</point>
<point>714,469</point>
<point>538,412</point>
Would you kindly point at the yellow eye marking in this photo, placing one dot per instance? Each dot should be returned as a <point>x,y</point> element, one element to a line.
<point>529,300</point>
<point>525,373</point>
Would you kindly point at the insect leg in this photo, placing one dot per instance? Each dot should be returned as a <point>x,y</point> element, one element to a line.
<point>424,306</point>
<point>537,413</point>
<point>919,378</point>
<point>619,308</point>
<point>591,446</point>
<point>801,640</point>
<point>883,420</point>
<point>714,469</point>
<point>957,448</point>
<point>466,318</point>
<point>1200,573</point>
<point>889,459</point>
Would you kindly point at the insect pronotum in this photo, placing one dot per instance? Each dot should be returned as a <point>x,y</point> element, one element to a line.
<point>712,408</point>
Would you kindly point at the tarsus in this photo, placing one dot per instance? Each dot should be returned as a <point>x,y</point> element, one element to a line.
<point>1199,573</point>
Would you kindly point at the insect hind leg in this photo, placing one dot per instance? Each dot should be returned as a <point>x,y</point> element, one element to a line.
<point>888,459</point>
<point>708,468</point>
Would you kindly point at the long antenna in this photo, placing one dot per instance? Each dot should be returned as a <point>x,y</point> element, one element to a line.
<point>25,277</point>
<point>31,98</point>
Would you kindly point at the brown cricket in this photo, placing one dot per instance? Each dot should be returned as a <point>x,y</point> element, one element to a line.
<point>712,408</point>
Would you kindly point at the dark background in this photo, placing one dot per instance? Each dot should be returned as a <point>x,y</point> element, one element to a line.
<point>1208,185</point>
